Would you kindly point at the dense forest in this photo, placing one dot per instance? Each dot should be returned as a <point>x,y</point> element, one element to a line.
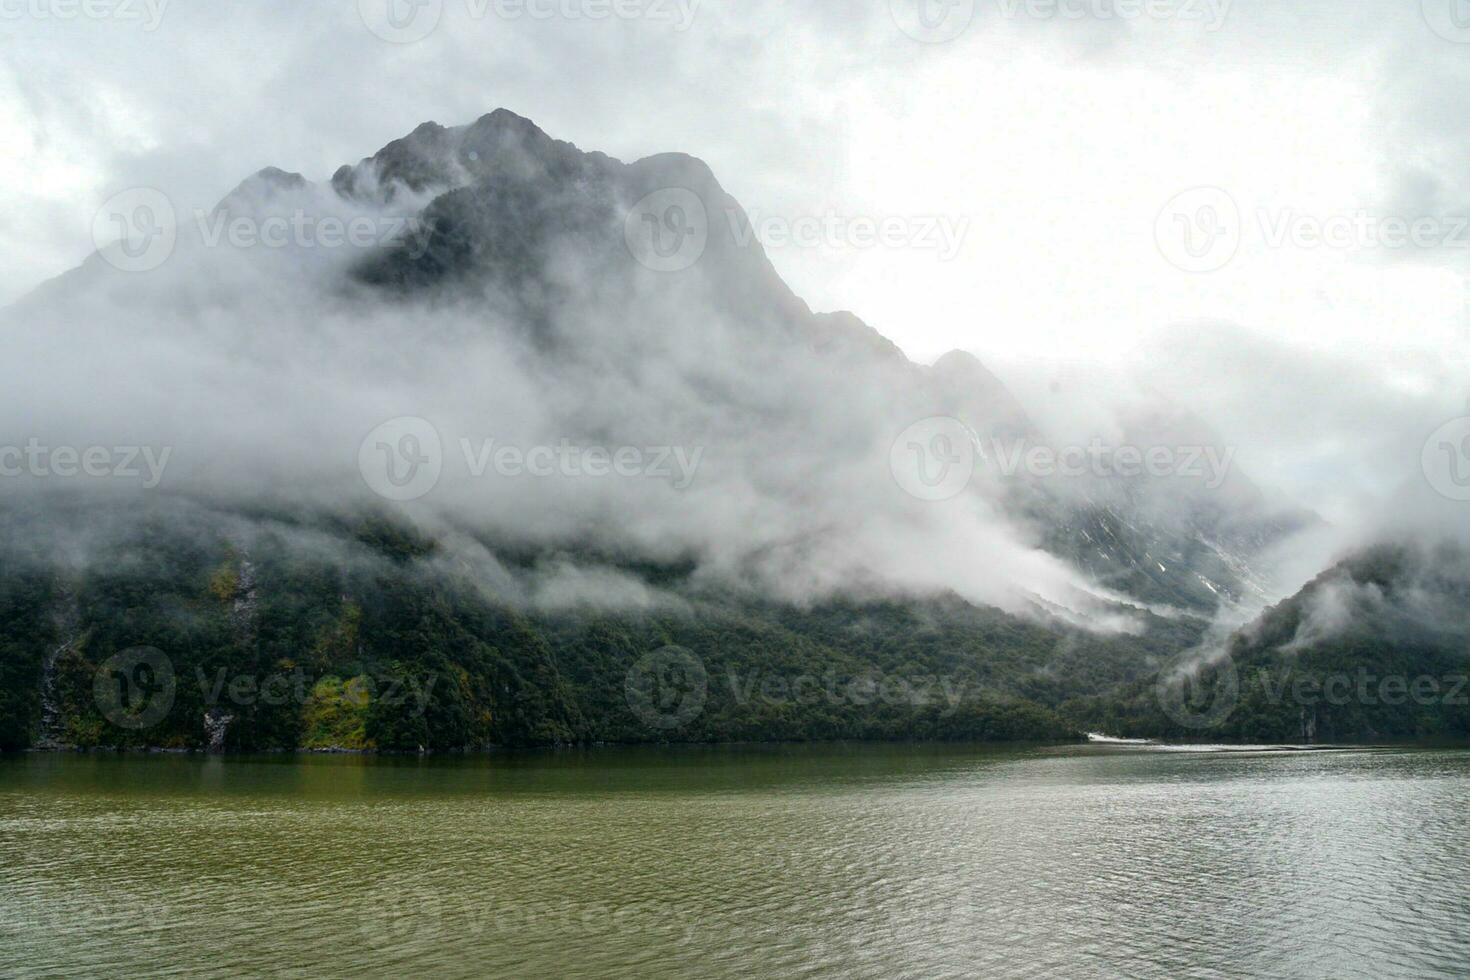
<point>1377,647</point>
<point>181,630</point>
<point>365,635</point>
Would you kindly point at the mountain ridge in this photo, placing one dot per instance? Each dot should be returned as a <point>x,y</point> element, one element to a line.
<point>527,236</point>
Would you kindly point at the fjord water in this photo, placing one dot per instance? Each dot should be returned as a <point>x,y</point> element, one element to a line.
<point>842,861</point>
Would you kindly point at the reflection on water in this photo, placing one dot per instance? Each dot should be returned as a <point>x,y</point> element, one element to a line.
<point>848,861</point>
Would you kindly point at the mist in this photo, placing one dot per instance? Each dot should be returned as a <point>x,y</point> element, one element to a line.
<point>1316,376</point>
<point>260,372</point>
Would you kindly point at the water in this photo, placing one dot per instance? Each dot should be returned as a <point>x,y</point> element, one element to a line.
<point>839,861</point>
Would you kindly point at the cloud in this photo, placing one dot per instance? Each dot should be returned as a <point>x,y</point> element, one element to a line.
<point>1056,139</point>
<point>265,369</point>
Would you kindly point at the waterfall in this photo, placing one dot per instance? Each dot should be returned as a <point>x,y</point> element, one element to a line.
<point>68,628</point>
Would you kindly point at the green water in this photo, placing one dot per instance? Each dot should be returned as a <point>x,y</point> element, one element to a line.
<point>838,861</point>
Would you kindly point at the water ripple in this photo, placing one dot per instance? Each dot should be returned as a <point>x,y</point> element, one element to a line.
<point>866,862</point>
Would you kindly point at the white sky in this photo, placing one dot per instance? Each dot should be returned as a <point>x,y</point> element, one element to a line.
<point>1054,141</point>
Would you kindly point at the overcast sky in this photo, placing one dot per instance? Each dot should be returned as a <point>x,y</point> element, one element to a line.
<point>1025,160</point>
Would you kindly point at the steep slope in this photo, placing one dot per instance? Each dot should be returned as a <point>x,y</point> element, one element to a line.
<point>1378,646</point>
<point>517,197</point>
<point>517,298</point>
<point>192,629</point>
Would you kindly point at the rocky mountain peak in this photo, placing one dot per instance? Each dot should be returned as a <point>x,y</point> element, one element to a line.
<point>438,157</point>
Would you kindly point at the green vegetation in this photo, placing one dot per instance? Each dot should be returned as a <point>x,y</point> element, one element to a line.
<point>1377,647</point>
<point>359,635</point>
<point>336,713</point>
<point>362,636</point>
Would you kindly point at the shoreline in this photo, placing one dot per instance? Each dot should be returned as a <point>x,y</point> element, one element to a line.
<point>1082,741</point>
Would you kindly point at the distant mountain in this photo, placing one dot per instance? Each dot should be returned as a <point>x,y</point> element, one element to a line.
<point>363,635</point>
<point>1376,647</point>
<point>531,625</point>
<point>515,196</point>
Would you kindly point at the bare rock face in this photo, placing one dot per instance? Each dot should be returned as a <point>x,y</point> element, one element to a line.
<point>502,209</point>
<point>261,188</point>
<point>968,390</point>
<point>68,617</point>
<point>246,603</point>
<point>532,234</point>
<point>216,727</point>
<point>435,158</point>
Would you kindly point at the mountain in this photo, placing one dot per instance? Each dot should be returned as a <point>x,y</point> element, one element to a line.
<point>363,635</point>
<point>520,289</point>
<point>1376,647</point>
